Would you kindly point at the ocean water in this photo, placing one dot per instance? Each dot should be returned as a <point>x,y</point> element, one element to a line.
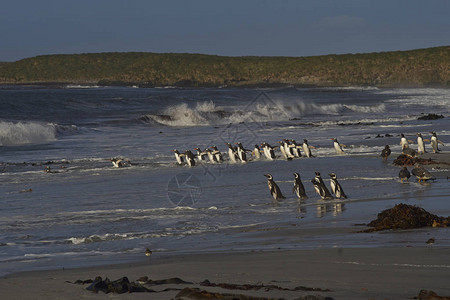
<point>63,203</point>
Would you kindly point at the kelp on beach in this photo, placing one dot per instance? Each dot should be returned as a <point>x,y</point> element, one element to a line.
<point>123,285</point>
<point>404,216</point>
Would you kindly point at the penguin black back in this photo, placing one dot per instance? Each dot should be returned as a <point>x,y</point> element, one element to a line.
<point>273,188</point>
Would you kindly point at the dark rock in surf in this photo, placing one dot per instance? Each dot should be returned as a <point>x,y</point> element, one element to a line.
<point>431,117</point>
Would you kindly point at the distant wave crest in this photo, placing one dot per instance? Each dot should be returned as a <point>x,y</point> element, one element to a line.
<point>21,133</point>
<point>207,113</point>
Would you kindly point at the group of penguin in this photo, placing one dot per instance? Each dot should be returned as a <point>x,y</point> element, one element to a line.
<point>420,172</point>
<point>289,149</point>
<point>404,143</point>
<point>299,189</point>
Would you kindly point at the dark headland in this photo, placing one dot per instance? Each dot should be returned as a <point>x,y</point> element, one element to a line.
<point>414,68</point>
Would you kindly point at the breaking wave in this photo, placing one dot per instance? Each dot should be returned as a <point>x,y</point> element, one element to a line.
<point>207,113</point>
<point>22,133</point>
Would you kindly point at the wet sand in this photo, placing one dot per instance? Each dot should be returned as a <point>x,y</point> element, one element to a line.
<point>368,273</point>
<point>441,165</point>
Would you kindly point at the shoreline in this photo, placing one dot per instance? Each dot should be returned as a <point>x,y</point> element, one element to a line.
<point>339,273</point>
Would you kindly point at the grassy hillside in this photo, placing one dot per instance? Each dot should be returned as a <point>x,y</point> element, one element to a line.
<point>422,67</point>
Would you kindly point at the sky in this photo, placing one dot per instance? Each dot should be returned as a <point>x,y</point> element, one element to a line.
<point>232,28</point>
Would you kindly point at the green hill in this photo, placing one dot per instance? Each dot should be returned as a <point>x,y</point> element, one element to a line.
<point>415,68</point>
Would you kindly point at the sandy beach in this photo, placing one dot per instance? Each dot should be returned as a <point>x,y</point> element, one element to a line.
<point>377,273</point>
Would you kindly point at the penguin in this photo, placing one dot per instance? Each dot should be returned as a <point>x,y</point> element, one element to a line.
<point>338,146</point>
<point>295,149</point>
<point>217,153</point>
<point>299,189</point>
<point>283,151</point>
<point>420,144</point>
<point>307,148</point>
<point>232,153</point>
<point>201,155</point>
<point>336,188</point>
<point>190,158</point>
<point>385,152</point>
<point>320,187</point>
<point>179,157</point>
<point>256,152</point>
<point>241,152</point>
<point>288,148</point>
<point>268,151</point>
<point>435,142</point>
<point>120,163</point>
<point>421,173</point>
<point>211,156</point>
<point>274,189</point>
<point>404,141</point>
<point>404,174</point>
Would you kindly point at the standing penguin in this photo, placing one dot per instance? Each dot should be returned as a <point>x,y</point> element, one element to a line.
<point>295,149</point>
<point>256,152</point>
<point>307,148</point>
<point>232,153</point>
<point>385,153</point>
<point>336,188</point>
<point>338,146</point>
<point>211,156</point>
<point>178,157</point>
<point>320,187</point>
<point>241,152</point>
<point>274,189</point>
<point>435,142</point>
<point>420,144</point>
<point>288,147</point>
<point>299,189</point>
<point>268,151</point>
<point>404,174</point>
<point>283,151</point>
<point>201,155</point>
<point>217,154</point>
<point>190,158</point>
<point>404,141</point>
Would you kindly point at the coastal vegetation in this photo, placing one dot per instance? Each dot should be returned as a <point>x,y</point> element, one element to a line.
<point>414,68</point>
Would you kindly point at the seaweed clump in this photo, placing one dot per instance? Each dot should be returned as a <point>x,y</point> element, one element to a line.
<point>119,286</point>
<point>404,216</point>
<point>407,160</point>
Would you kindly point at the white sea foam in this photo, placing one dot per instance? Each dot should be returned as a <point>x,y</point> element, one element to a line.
<point>20,133</point>
<point>207,113</point>
<point>79,86</point>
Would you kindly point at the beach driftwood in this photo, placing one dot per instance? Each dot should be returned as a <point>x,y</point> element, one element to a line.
<point>404,216</point>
